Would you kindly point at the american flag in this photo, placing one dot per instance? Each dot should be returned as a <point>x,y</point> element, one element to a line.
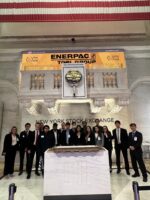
<point>73,10</point>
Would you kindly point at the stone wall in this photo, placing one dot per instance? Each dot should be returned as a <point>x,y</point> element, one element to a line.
<point>8,97</point>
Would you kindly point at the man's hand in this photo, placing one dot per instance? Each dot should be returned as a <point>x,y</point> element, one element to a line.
<point>132,148</point>
<point>29,151</point>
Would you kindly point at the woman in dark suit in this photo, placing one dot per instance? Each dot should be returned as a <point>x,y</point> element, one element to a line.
<point>79,136</point>
<point>11,145</point>
<point>89,138</point>
<point>108,144</point>
<point>98,136</point>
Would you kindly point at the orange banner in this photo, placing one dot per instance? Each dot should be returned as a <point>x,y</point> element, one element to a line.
<point>54,61</point>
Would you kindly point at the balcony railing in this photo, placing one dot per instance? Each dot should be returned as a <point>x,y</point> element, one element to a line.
<point>99,82</point>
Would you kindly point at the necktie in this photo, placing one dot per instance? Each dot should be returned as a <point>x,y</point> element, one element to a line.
<point>133,134</point>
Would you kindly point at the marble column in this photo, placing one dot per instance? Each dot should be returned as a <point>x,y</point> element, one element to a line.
<point>140,109</point>
<point>9,119</point>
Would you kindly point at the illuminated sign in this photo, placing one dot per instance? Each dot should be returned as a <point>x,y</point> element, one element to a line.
<point>92,60</point>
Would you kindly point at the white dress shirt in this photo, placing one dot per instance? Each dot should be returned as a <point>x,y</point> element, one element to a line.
<point>55,135</point>
<point>118,135</point>
<point>67,136</point>
<point>36,136</point>
<point>14,140</point>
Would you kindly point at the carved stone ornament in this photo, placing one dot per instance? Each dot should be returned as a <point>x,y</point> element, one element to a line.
<point>123,101</point>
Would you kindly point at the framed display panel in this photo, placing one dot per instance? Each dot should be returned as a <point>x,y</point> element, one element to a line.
<point>74,81</point>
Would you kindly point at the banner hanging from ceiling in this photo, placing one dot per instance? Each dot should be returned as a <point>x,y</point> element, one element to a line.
<point>54,61</point>
<point>73,10</point>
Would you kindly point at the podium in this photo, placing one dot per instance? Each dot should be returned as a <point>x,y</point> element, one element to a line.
<point>77,173</point>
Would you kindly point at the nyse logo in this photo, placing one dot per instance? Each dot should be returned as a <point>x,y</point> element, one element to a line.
<point>32,59</point>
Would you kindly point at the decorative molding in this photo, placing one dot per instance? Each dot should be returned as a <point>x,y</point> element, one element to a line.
<point>136,83</point>
<point>10,86</point>
<point>49,102</point>
<point>138,50</point>
<point>37,107</point>
<point>123,101</point>
<point>99,102</point>
<point>147,27</point>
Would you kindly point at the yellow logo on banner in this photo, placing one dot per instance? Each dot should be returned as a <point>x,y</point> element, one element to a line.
<point>54,61</point>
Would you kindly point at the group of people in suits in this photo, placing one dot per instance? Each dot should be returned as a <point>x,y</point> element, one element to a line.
<point>133,142</point>
<point>31,143</point>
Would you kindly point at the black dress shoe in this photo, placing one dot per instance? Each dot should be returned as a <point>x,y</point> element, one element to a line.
<point>135,175</point>
<point>20,173</point>
<point>37,173</point>
<point>42,172</point>
<point>127,172</point>
<point>28,176</point>
<point>144,179</point>
<point>118,171</point>
<point>110,170</point>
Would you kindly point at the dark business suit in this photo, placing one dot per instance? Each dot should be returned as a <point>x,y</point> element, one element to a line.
<point>90,140</point>
<point>57,138</point>
<point>79,139</point>
<point>135,140</point>
<point>44,142</point>
<point>84,130</point>
<point>23,147</point>
<point>108,146</point>
<point>10,153</point>
<point>33,149</point>
<point>67,141</point>
<point>122,146</point>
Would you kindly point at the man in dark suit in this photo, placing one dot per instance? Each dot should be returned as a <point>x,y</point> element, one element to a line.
<point>135,143</point>
<point>45,141</point>
<point>84,127</point>
<point>97,122</point>
<point>121,144</point>
<point>67,136</point>
<point>32,149</point>
<point>23,145</point>
<point>41,126</point>
<point>74,126</point>
<point>56,134</point>
<point>63,127</point>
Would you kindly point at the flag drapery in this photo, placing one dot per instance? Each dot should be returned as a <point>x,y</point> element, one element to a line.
<point>73,10</point>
